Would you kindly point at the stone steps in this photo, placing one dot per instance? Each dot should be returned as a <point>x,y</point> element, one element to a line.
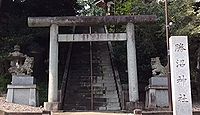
<point>105,82</point>
<point>106,99</point>
<point>104,85</point>
<point>107,104</point>
<point>78,92</point>
<point>106,96</point>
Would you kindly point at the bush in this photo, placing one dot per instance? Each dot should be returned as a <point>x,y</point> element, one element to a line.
<point>43,92</point>
<point>4,80</point>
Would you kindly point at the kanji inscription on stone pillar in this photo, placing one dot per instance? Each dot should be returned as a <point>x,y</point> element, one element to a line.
<point>180,75</point>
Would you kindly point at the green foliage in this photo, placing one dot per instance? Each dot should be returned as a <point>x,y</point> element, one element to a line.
<point>124,8</point>
<point>150,39</point>
<point>4,80</point>
<point>13,20</point>
<point>88,8</point>
<point>43,92</point>
<point>185,18</point>
<point>14,28</point>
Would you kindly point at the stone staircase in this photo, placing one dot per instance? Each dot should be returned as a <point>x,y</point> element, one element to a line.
<point>77,95</point>
<point>78,90</point>
<point>105,93</point>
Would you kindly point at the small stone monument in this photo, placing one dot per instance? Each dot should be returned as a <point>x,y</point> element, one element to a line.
<point>157,90</point>
<point>22,89</point>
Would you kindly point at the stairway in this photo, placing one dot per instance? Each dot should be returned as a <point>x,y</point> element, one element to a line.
<point>78,90</point>
<point>77,95</point>
<point>105,93</point>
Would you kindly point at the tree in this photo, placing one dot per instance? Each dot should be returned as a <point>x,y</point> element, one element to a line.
<point>14,15</point>
<point>89,8</point>
<point>14,29</point>
<point>185,17</point>
<point>150,39</point>
<point>13,21</point>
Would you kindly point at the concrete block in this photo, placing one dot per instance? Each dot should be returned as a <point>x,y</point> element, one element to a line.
<point>32,97</point>
<point>130,106</point>
<point>158,81</point>
<point>113,108</point>
<point>51,106</point>
<point>156,96</point>
<point>21,86</point>
<point>19,94</point>
<point>162,98</point>
<point>22,80</point>
<point>9,97</point>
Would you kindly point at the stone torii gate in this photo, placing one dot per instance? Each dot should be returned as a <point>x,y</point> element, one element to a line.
<point>55,38</point>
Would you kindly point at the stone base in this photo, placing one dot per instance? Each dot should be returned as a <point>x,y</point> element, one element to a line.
<point>51,106</point>
<point>157,93</point>
<point>22,80</point>
<point>22,94</point>
<point>131,106</point>
<point>137,112</point>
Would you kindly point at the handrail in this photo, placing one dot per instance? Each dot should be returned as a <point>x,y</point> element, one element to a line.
<point>91,73</point>
<point>116,76</point>
<point>65,75</point>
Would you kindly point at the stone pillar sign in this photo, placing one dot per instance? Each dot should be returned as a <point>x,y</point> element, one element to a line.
<point>180,75</point>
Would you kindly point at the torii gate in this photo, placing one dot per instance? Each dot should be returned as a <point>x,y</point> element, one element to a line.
<point>55,38</point>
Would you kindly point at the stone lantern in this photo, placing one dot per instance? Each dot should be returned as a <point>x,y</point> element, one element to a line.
<point>20,64</point>
<point>22,89</point>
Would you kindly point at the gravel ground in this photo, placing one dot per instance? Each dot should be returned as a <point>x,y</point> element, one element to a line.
<point>11,107</point>
<point>196,106</point>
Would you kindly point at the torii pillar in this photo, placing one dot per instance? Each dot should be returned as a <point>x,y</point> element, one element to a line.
<point>55,22</point>
<point>53,102</point>
<point>132,64</point>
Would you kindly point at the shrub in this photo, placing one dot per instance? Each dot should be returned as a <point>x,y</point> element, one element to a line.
<point>4,80</point>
